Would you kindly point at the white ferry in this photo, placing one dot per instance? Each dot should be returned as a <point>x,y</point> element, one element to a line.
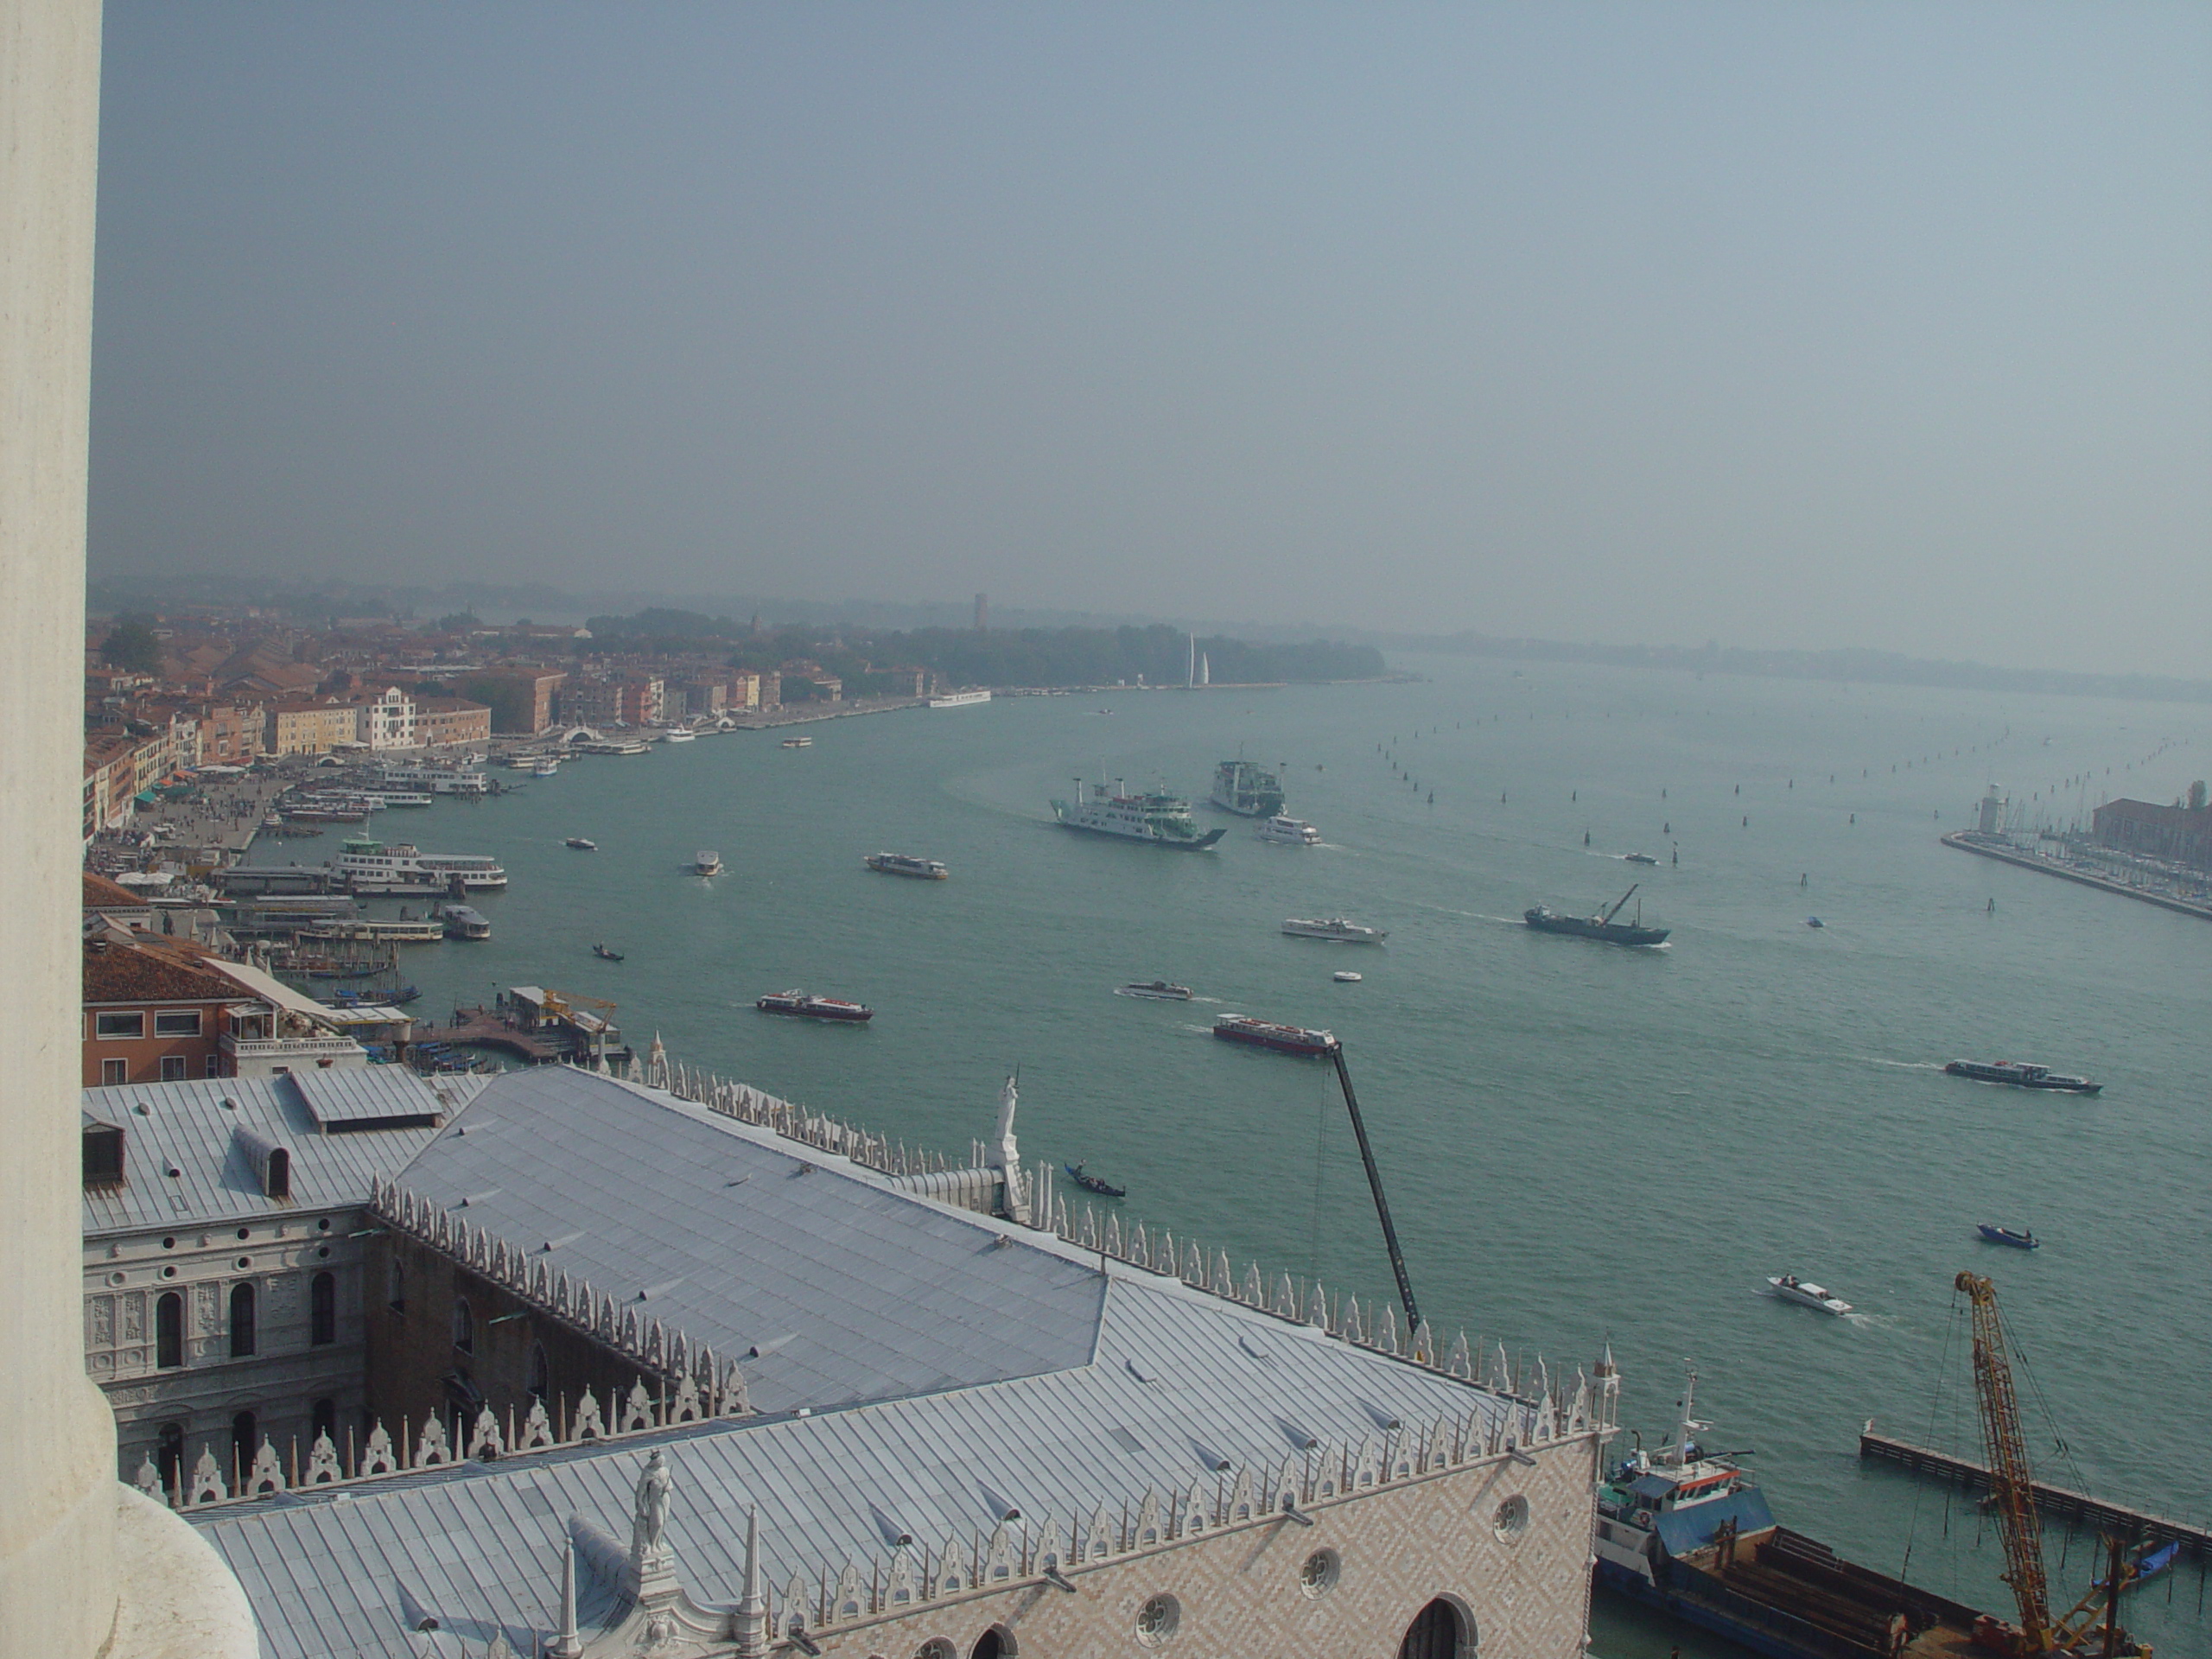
<point>1158,817</point>
<point>959,699</point>
<point>369,865</point>
<point>436,780</point>
<point>679,735</point>
<point>546,766</point>
<point>1289,832</point>
<point>1335,929</point>
<point>613,745</point>
<point>464,922</point>
<point>798,742</point>
<point>382,797</point>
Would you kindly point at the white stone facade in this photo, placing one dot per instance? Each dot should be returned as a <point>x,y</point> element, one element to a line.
<point>202,1397</point>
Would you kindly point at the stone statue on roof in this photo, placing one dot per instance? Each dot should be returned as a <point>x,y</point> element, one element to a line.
<point>651,1523</point>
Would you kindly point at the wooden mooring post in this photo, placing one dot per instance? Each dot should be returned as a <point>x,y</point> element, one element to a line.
<point>2075,1506</point>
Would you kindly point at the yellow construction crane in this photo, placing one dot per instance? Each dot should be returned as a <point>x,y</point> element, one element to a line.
<point>2013,1491</point>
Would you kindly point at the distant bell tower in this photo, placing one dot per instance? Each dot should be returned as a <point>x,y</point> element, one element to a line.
<point>983,613</point>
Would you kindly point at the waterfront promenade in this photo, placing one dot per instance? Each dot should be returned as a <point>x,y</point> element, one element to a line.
<point>1967,842</point>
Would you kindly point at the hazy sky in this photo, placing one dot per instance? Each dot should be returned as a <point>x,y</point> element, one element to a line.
<point>1789,324</point>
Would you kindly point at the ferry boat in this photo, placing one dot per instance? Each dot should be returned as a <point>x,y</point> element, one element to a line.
<point>2019,1075</point>
<point>1158,817</point>
<point>815,1008</point>
<point>1284,1040</point>
<point>435,780</point>
<point>384,798</point>
<point>1289,832</point>
<point>959,699</point>
<point>1157,990</point>
<point>679,735</point>
<point>397,866</point>
<point>1544,919</point>
<point>1688,1532</point>
<point>922,869</point>
<point>1335,929</point>
<point>549,767</point>
<point>798,742</point>
<point>464,922</point>
<point>706,861</point>
<point>613,745</point>
<point>378,930</point>
<point>1806,1293</point>
<point>1248,787</point>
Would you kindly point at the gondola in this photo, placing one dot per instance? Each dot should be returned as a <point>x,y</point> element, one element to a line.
<point>1092,1184</point>
<point>605,954</point>
<point>2018,1241</point>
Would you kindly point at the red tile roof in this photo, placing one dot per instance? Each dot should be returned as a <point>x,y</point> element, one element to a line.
<point>116,973</point>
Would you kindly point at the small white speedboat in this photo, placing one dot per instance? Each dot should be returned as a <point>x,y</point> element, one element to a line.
<point>1792,1289</point>
<point>1289,831</point>
<point>1345,976</point>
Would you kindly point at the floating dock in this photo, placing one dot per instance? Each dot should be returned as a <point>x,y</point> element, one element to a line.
<point>2052,1500</point>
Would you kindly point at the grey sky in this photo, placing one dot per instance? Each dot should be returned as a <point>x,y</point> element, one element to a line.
<point>1789,324</point>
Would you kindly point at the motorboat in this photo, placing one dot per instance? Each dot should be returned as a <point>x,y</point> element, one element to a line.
<point>1286,831</point>
<point>2018,1240</point>
<point>1334,929</point>
<point>581,844</point>
<point>679,735</point>
<point>1806,1293</point>
<point>1346,976</point>
<point>605,954</point>
<point>1158,990</point>
<point>1814,921</point>
<point>1638,858</point>
<point>1092,1184</point>
<point>798,742</point>
<point>815,1008</point>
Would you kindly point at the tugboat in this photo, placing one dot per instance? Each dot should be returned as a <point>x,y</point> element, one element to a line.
<point>1247,787</point>
<point>815,1008</point>
<point>1284,1040</point>
<point>1544,919</point>
<point>1092,1184</point>
<point>1158,817</point>
<point>2019,1075</point>
<point>1158,990</point>
<point>922,869</point>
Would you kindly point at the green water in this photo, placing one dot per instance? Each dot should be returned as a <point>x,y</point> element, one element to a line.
<point>1581,1142</point>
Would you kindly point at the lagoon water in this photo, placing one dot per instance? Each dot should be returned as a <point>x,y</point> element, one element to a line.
<point>1582,1143</point>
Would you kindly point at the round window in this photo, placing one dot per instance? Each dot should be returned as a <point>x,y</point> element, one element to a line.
<point>1511,1519</point>
<point>246,1261</point>
<point>937,1648</point>
<point>169,1272</point>
<point>115,1278</point>
<point>1157,1619</point>
<point>1319,1574</point>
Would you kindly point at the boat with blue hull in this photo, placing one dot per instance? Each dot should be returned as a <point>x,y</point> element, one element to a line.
<point>1687,1531</point>
<point>2018,1240</point>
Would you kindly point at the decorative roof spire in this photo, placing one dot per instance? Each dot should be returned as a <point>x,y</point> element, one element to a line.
<point>569,1645</point>
<point>750,1626</point>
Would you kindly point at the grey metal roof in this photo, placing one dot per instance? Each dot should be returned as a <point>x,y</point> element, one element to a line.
<point>186,1127</point>
<point>848,1289</point>
<point>358,1095</point>
<point>1181,1382</point>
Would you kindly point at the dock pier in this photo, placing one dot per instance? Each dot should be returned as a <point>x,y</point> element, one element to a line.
<point>2077,1507</point>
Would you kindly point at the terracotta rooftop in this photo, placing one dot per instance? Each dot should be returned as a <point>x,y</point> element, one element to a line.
<point>100,893</point>
<point>130,973</point>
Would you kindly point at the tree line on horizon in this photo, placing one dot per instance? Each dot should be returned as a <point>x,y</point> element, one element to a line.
<point>1158,655</point>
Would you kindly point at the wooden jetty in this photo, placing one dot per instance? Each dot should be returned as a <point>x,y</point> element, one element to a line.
<point>487,1028</point>
<point>2052,1500</point>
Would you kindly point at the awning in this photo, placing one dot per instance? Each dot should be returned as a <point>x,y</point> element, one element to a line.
<point>269,988</point>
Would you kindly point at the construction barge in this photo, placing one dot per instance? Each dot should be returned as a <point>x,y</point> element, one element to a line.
<point>1689,1533</point>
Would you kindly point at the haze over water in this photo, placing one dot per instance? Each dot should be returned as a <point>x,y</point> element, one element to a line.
<point>1580,1142</point>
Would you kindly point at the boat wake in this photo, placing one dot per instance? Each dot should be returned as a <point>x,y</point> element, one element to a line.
<point>1904,1065</point>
